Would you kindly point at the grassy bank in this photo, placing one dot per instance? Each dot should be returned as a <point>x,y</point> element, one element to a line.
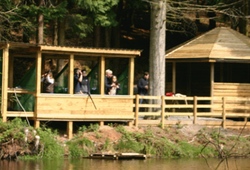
<point>18,140</point>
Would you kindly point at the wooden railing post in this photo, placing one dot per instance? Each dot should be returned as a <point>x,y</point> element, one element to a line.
<point>136,109</point>
<point>195,110</point>
<point>224,112</point>
<point>162,111</point>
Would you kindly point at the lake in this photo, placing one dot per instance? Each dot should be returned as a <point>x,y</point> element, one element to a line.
<point>148,164</point>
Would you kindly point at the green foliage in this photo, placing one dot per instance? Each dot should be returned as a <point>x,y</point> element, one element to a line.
<point>108,145</point>
<point>90,128</point>
<point>80,24</point>
<point>12,130</point>
<point>148,143</point>
<point>100,11</point>
<point>93,127</point>
<point>51,147</point>
<point>80,147</point>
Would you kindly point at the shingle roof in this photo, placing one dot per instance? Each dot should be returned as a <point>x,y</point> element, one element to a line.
<point>221,44</point>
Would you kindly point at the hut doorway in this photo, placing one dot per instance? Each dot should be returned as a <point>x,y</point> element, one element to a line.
<point>193,79</point>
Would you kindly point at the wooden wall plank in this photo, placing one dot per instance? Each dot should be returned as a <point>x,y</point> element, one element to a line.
<point>75,106</point>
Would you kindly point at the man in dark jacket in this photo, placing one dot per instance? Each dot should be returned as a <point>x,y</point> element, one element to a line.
<point>85,83</point>
<point>142,85</point>
<point>77,81</point>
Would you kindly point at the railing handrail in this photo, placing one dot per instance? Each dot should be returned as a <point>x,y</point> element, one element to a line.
<point>195,106</point>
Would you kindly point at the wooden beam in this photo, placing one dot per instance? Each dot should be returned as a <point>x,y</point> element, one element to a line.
<point>224,112</point>
<point>5,66</point>
<point>70,129</point>
<point>38,72</point>
<point>101,123</point>
<point>131,76</point>
<point>174,77</point>
<point>36,124</point>
<point>162,111</point>
<point>212,79</point>
<point>102,74</point>
<point>38,86</point>
<point>211,82</point>
<point>11,71</point>
<point>195,110</point>
<point>99,51</point>
<point>136,110</point>
<point>71,75</point>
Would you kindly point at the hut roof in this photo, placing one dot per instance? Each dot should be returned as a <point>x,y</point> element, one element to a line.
<point>222,44</point>
<point>26,48</point>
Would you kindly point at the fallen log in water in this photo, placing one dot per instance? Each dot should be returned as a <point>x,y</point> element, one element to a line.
<point>117,156</point>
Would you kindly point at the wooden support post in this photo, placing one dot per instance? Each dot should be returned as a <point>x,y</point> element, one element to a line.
<point>136,110</point>
<point>101,123</point>
<point>174,77</point>
<point>101,77</point>
<point>70,129</point>
<point>130,123</point>
<point>36,124</point>
<point>195,110</point>
<point>162,111</point>
<point>38,86</point>
<point>212,83</point>
<point>224,112</point>
<point>245,119</point>
<point>5,68</point>
<point>71,74</point>
<point>131,76</point>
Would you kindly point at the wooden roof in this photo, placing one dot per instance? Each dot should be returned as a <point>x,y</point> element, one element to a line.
<point>26,47</point>
<point>221,44</point>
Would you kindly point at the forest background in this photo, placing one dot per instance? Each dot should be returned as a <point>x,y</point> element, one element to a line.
<point>152,26</point>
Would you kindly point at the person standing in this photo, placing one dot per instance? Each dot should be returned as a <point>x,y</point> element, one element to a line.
<point>48,82</point>
<point>108,80</point>
<point>85,86</point>
<point>143,85</point>
<point>115,86</point>
<point>77,81</point>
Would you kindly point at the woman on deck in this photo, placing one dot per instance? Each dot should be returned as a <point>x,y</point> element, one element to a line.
<point>48,82</point>
<point>115,86</point>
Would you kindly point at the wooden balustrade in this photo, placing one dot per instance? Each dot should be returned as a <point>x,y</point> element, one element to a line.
<point>211,111</point>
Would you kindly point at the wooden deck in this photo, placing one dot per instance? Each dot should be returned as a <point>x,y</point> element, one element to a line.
<point>226,112</point>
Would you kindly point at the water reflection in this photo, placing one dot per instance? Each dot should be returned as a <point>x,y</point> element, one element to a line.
<point>149,164</point>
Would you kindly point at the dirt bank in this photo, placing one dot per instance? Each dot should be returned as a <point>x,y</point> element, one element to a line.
<point>177,140</point>
<point>225,141</point>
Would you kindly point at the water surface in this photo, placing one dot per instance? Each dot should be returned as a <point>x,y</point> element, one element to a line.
<point>100,164</point>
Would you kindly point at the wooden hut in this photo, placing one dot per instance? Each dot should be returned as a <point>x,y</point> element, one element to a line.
<point>216,63</point>
<point>63,105</point>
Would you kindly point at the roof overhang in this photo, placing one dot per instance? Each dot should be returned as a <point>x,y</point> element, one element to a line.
<point>26,47</point>
<point>221,44</point>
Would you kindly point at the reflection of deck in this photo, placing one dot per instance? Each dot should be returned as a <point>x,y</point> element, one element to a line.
<point>117,156</point>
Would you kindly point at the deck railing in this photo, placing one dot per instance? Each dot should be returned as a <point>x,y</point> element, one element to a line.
<point>214,111</point>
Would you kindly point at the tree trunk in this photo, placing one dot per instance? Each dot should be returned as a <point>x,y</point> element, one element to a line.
<point>61,32</point>
<point>40,20</point>
<point>157,47</point>
<point>116,34</point>
<point>107,37</point>
<point>243,20</point>
<point>55,32</point>
<point>40,29</point>
<point>97,38</point>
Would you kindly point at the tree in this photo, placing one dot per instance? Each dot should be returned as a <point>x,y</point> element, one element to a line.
<point>10,20</point>
<point>157,47</point>
<point>40,23</point>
